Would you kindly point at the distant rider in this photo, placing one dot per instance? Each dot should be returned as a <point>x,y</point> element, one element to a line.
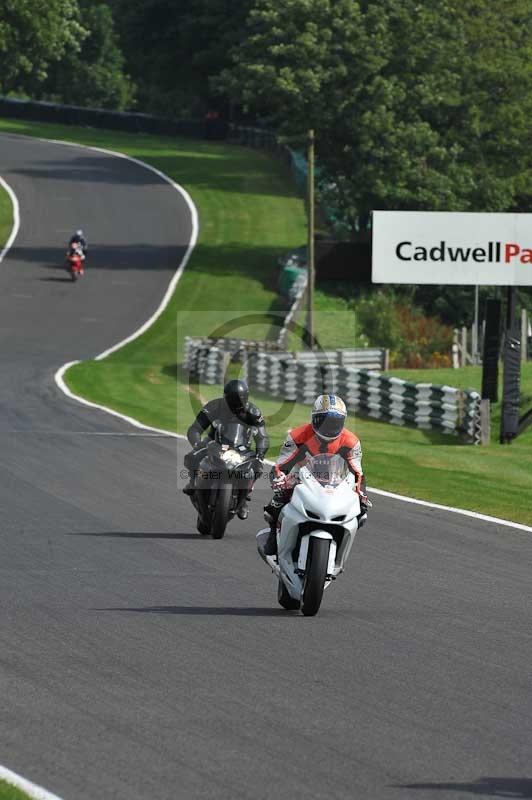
<point>78,239</point>
<point>233,405</point>
<point>324,434</point>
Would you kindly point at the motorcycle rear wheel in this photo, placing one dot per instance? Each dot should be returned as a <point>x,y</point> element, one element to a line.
<point>220,515</point>
<point>314,584</point>
<point>285,599</point>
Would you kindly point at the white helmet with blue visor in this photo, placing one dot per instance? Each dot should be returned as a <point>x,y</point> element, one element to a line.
<point>328,416</point>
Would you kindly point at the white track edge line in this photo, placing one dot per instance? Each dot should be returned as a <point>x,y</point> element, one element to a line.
<point>16,218</point>
<point>195,226</point>
<point>450,509</point>
<point>59,379</point>
<point>31,789</point>
<point>192,241</point>
<point>59,375</point>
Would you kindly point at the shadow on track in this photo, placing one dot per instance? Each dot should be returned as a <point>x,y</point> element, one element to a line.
<point>93,169</point>
<point>142,535</point>
<point>486,787</point>
<point>105,256</point>
<point>204,611</point>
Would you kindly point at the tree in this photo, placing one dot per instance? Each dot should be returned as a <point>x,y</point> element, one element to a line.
<point>416,105</point>
<point>93,73</point>
<point>34,34</point>
<point>173,49</point>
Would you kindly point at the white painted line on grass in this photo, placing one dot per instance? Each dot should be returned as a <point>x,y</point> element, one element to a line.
<point>31,789</point>
<point>59,375</point>
<point>16,218</point>
<point>473,514</point>
<point>59,379</point>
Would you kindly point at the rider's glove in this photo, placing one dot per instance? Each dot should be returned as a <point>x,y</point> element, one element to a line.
<point>280,482</point>
<point>194,438</point>
<point>364,500</point>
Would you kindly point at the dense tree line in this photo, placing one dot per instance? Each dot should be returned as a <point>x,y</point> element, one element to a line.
<point>175,50</point>
<point>415,103</point>
<point>63,50</point>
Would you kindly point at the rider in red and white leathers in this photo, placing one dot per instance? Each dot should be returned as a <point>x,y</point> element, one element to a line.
<point>325,434</point>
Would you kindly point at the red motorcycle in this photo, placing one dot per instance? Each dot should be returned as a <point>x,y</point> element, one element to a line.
<point>74,262</point>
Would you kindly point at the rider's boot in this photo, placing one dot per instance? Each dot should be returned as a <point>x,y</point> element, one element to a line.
<point>270,545</point>
<point>190,488</point>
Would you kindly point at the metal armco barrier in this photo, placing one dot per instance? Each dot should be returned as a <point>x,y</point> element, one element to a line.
<point>240,349</point>
<point>425,406</point>
<point>207,364</point>
<point>293,377</point>
<point>112,120</point>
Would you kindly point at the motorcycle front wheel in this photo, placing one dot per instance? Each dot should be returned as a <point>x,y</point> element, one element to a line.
<point>74,275</point>
<point>285,599</point>
<point>314,584</point>
<point>220,515</point>
<point>202,527</point>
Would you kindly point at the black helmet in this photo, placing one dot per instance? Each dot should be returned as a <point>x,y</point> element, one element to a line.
<point>236,395</point>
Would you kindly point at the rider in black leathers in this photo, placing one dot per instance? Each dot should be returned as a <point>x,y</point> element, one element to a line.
<point>233,405</point>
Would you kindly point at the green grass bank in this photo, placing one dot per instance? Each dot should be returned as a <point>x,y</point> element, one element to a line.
<point>249,215</point>
<point>10,792</point>
<point>6,216</point>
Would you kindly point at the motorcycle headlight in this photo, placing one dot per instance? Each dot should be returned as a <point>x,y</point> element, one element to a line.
<point>232,458</point>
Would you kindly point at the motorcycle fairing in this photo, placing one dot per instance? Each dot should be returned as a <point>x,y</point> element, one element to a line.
<point>319,511</point>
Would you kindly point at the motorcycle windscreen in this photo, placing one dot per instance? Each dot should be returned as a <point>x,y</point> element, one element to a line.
<point>328,469</point>
<point>235,434</point>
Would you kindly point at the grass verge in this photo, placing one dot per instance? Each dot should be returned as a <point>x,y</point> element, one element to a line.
<point>6,216</point>
<point>10,792</point>
<point>249,214</point>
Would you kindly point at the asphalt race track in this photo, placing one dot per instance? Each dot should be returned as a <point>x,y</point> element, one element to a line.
<point>141,661</point>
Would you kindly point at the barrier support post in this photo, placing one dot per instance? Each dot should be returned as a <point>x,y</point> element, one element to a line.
<point>310,245</point>
<point>485,422</point>
<point>463,359</point>
<point>524,335</point>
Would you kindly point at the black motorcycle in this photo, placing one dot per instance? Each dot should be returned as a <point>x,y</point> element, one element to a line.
<point>225,477</point>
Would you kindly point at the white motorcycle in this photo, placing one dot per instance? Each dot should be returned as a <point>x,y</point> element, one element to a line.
<point>315,533</point>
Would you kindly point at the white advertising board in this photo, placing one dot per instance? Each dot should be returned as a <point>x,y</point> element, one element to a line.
<point>452,248</point>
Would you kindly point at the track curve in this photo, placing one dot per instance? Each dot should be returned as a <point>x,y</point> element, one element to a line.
<point>139,660</point>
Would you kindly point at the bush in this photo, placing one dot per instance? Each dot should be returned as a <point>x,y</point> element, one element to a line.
<point>415,340</point>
